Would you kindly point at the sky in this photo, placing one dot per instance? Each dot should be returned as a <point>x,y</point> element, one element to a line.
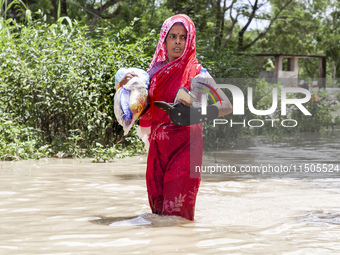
<point>256,23</point>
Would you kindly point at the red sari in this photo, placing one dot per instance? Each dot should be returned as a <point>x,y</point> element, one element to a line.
<point>174,152</point>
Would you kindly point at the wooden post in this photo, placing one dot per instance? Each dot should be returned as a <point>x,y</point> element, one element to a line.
<point>322,72</point>
<point>278,67</point>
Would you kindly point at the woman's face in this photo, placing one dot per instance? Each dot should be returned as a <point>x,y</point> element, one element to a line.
<point>175,41</point>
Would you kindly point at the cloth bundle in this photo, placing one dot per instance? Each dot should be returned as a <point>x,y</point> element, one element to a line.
<point>131,99</point>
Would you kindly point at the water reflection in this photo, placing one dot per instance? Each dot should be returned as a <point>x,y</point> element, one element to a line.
<point>302,156</point>
<point>320,217</point>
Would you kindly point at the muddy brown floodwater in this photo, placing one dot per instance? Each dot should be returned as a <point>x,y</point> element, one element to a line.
<point>68,206</point>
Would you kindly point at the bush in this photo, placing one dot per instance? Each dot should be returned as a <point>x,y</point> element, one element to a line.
<point>62,82</point>
<point>19,142</point>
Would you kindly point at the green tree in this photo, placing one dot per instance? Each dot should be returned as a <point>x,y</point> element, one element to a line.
<point>311,29</point>
<point>329,39</point>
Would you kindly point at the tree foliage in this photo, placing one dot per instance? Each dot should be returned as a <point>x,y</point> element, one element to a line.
<point>62,83</point>
<point>56,93</point>
<point>305,28</point>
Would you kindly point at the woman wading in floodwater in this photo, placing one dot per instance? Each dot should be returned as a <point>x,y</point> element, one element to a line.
<point>174,150</point>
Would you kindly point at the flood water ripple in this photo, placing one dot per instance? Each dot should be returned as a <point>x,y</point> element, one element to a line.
<point>68,206</point>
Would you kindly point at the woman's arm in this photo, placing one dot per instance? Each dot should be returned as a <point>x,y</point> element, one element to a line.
<point>226,107</point>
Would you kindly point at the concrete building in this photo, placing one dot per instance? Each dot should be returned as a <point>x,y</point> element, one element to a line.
<point>286,69</point>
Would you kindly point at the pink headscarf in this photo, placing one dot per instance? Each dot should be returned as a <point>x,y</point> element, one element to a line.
<point>189,53</point>
<point>165,83</point>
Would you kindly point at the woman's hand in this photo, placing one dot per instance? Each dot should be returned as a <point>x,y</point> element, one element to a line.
<point>184,102</point>
<point>126,79</point>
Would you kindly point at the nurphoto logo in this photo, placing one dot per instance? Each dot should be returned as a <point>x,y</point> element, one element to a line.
<point>239,104</point>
